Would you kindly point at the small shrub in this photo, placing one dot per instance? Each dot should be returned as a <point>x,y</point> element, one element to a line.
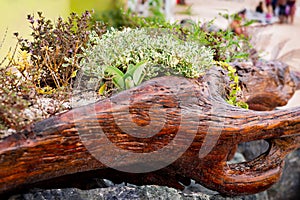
<point>42,68</point>
<point>116,17</point>
<point>162,51</point>
<point>53,43</point>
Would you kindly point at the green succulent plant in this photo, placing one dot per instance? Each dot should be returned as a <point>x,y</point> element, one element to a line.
<point>133,76</point>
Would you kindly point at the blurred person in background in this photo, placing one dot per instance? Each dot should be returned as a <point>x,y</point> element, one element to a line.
<point>181,2</point>
<point>236,25</point>
<point>282,11</point>
<point>274,6</point>
<point>260,7</point>
<point>292,10</point>
<point>268,3</point>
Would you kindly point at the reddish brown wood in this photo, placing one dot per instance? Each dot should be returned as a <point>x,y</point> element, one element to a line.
<point>53,148</point>
<point>267,85</point>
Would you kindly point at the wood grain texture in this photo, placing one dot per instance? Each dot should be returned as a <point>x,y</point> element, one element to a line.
<point>190,114</point>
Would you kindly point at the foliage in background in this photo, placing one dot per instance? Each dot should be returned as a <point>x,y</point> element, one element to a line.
<point>160,51</point>
<point>156,9</point>
<point>116,17</point>
<point>119,18</point>
<point>240,43</point>
<point>227,46</point>
<point>185,9</point>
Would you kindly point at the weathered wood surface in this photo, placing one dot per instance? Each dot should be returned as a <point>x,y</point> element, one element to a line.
<point>59,147</point>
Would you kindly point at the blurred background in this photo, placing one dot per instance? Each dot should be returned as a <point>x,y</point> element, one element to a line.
<point>267,38</point>
<point>14,14</point>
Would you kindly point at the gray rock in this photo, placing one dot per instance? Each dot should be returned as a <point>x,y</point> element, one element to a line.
<point>132,192</point>
<point>195,188</point>
<point>111,193</point>
<point>288,188</point>
<point>238,158</point>
<point>253,149</point>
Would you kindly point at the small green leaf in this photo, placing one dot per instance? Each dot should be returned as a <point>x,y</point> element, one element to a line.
<point>242,105</point>
<point>129,83</point>
<point>139,74</point>
<point>118,76</point>
<point>233,93</point>
<point>119,82</point>
<point>114,71</point>
<point>135,72</point>
<point>230,102</point>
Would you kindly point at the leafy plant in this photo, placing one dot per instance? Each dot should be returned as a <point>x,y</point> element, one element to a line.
<point>160,52</point>
<point>227,46</point>
<point>12,100</point>
<point>163,54</point>
<point>47,63</point>
<point>156,9</point>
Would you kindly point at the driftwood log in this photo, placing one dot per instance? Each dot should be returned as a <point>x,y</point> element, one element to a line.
<point>166,131</point>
